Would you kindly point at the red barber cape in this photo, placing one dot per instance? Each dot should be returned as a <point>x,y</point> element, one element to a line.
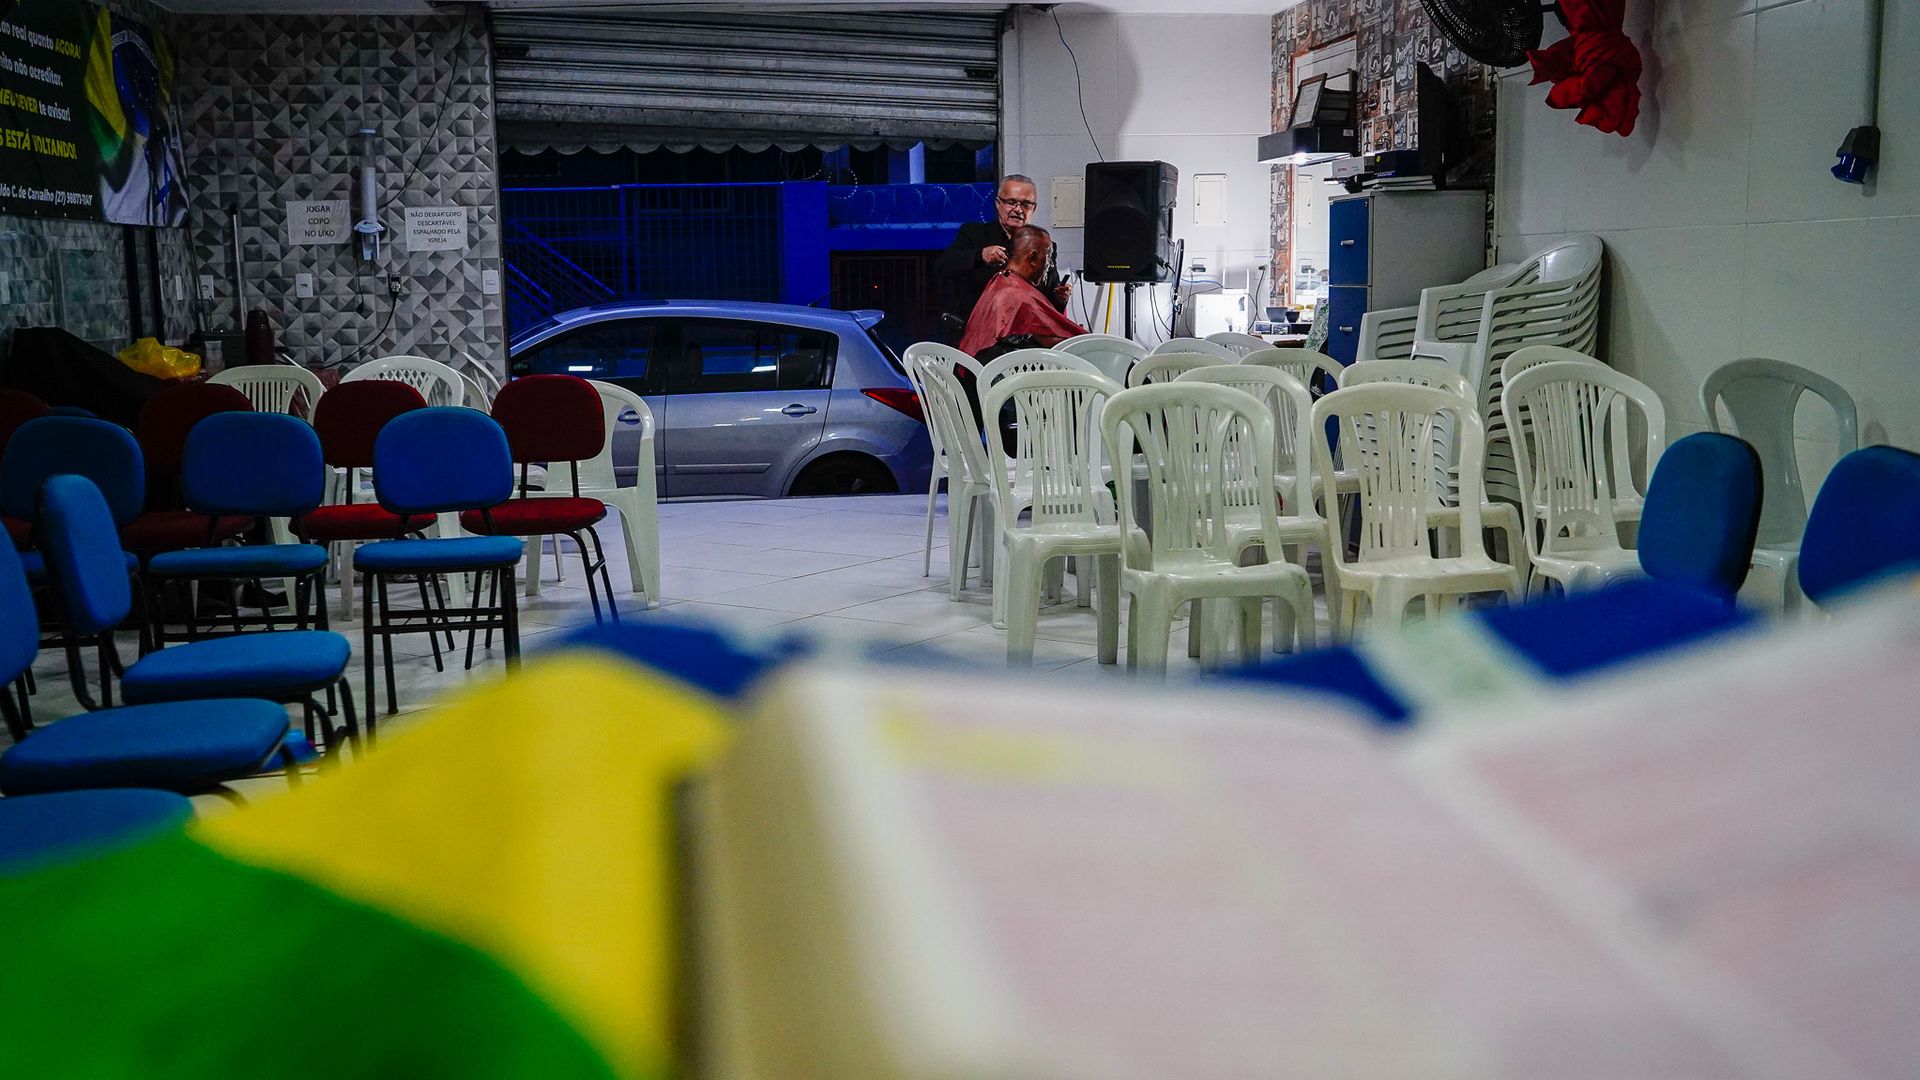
<point>1012,305</point>
<point>1595,69</point>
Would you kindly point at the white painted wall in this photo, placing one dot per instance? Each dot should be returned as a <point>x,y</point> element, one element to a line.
<point>1192,90</point>
<point>1725,235</point>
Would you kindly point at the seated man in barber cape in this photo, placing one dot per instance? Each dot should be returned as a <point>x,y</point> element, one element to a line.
<point>1013,311</point>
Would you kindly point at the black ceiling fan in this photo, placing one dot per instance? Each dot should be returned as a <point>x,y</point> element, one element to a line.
<point>1496,32</point>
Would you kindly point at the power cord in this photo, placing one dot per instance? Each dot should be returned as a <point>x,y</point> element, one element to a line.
<point>1079,92</point>
<point>393,305</point>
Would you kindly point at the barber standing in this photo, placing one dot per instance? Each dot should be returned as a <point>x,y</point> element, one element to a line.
<point>979,251</point>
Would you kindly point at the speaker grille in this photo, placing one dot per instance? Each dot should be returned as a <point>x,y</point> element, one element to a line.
<point>1129,220</point>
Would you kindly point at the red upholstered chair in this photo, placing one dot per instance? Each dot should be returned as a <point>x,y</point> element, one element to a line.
<point>552,419</point>
<point>348,419</point>
<point>162,430</point>
<point>16,408</point>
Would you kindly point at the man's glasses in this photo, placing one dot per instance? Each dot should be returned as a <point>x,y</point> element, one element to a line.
<point>1027,205</point>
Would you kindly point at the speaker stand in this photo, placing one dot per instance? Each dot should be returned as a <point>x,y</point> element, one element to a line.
<point>1127,308</point>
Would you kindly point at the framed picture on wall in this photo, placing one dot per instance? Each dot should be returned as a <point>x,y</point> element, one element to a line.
<point>1306,100</point>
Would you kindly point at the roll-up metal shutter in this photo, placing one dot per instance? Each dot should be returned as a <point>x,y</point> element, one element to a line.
<point>735,77</point>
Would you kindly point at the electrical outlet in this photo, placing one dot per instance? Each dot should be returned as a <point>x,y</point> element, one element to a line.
<point>303,286</point>
<point>490,282</point>
<point>206,286</point>
<point>395,287</point>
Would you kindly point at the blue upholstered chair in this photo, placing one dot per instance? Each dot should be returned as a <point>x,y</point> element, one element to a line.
<point>439,460</point>
<point>181,746</point>
<point>1864,525</point>
<point>67,824</point>
<point>247,464</point>
<point>88,572</point>
<point>103,452</point>
<point>1701,514</point>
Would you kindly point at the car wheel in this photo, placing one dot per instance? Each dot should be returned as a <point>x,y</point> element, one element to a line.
<point>844,474</point>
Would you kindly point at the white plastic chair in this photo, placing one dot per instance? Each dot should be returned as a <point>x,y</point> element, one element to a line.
<point>1114,356</point>
<point>941,465</point>
<point>1552,298</point>
<point>970,484</point>
<point>1241,344</point>
<point>639,505</point>
<point>1412,372</point>
<point>1388,432</point>
<point>480,375</point>
<point>1198,444</point>
<point>1389,333</point>
<point>1421,372</point>
<point>1628,499</point>
<point>1317,372</point>
<point>438,383</point>
<point>1761,397</point>
<point>1196,345</point>
<point>1023,361</point>
<point>1307,366</point>
<point>1300,524</point>
<point>1071,515</point>
<point>1166,367</point>
<point>1565,464</point>
<point>279,388</point>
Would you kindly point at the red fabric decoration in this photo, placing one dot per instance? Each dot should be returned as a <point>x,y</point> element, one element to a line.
<point>1595,68</point>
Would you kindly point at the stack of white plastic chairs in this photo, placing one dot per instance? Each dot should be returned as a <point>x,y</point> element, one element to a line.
<point>1552,298</point>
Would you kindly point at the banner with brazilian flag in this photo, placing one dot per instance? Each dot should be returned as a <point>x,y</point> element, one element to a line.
<point>488,893</point>
<point>88,124</point>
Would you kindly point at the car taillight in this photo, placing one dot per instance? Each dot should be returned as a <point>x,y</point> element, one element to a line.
<point>898,399</point>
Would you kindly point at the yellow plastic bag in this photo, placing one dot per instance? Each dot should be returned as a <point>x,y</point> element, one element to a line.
<point>149,357</point>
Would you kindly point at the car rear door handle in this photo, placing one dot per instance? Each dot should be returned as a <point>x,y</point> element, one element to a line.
<point>797,409</point>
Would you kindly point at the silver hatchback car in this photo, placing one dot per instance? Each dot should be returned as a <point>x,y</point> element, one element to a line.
<point>754,400</point>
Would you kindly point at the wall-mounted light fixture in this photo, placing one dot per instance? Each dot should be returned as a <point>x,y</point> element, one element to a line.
<point>368,225</point>
<point>1320,128</point>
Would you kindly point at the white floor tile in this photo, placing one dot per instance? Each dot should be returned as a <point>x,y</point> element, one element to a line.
<point>805,596</point>
<point>733,618</point>
<point>929,608</point>
<point>686,583</point>
<point>872,545</point>
<point>709,555</point>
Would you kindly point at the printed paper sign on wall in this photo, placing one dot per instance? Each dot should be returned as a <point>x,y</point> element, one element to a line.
<point>87,123</point>
<point>436,228</point>
<point>322,222</point>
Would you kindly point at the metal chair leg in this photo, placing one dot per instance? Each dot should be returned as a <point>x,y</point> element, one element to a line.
<point>606,577</point>
<point>386,643</point>
<point>366,638</point>
<point>426,606</point>
<point>510,617</point>
<point>586,564</point>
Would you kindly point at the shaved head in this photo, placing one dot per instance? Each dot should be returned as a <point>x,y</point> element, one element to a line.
<point>1027,251</point>
<point>1028,237</point>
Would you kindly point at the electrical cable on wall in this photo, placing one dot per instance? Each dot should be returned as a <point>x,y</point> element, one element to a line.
<point>393,305</point>
<point>441,88</point>
<point>1079,92</point>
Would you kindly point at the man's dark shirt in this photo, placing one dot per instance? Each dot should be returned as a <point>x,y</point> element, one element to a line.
<point>962,275</point>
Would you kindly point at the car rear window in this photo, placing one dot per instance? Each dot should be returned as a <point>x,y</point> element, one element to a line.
<point>886,351</point>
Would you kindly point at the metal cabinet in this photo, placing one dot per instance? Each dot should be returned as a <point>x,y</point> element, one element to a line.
<point>1387,246</point>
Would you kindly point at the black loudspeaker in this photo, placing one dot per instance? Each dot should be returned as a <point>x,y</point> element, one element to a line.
<point>1130,220</point>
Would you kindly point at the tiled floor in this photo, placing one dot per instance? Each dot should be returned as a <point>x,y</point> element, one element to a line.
<point>848,569</point>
